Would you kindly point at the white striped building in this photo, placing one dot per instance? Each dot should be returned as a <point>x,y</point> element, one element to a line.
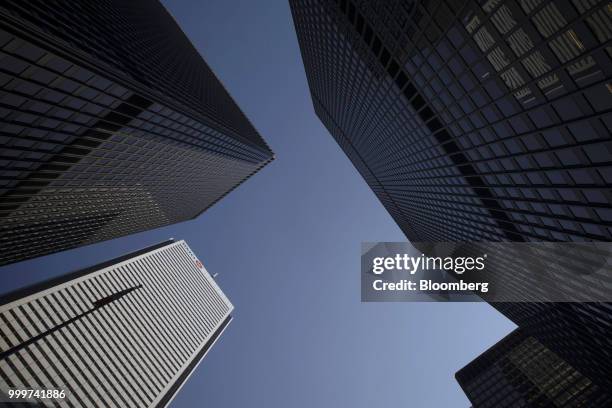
<point>126,333</point>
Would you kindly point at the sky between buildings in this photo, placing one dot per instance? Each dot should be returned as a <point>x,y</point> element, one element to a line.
<point>286,247</point>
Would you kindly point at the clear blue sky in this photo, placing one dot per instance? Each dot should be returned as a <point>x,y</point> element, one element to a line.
<point>286,246</point>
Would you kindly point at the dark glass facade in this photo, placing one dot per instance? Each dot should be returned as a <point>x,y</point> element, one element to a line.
<point>478,121</point>
<point>110,123</point>
<point>519,371</point>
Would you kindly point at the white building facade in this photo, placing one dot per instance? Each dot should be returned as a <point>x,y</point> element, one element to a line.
<point>126,333</point>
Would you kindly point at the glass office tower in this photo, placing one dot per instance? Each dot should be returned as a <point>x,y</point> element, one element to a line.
<point>519,371</point>
<point>478,121</point>
<point>126,333</point>
<point>110,123</point>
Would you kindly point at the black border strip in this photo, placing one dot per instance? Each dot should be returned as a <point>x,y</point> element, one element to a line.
<point>49,283</point>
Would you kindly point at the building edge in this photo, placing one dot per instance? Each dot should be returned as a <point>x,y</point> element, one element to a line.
<point>58,280</point>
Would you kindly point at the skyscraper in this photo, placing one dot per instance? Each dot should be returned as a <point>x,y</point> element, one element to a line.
<point>126,333</point>
<point>519,371</point>
<point>110,123</point>
<point>470,120</point>
<point>478,121</point>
